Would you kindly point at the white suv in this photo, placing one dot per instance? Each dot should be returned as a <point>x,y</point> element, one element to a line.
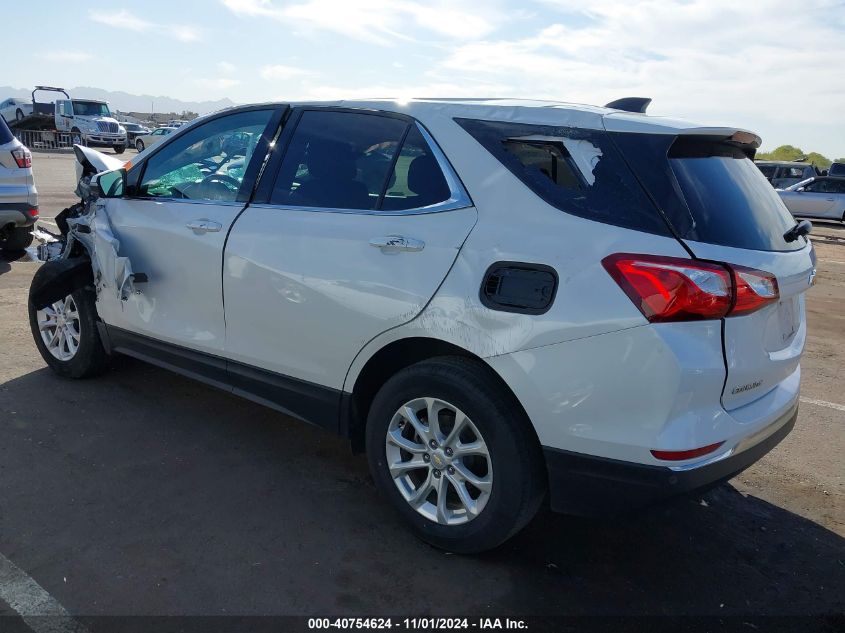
<point>495,298</point>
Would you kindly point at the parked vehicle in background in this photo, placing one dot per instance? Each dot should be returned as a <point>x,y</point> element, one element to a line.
<point>15,109</point>
<point>176,123</point>
<point>836,169</point>
<point>18,197</point>
<point>90,122</point>
<point>144,141</point>
<point>783,173</point>
<point>818,197</point>
<point>134,130</point>
<point>494,298</point>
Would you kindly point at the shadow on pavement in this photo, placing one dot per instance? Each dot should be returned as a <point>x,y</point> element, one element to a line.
<point>143,492</point>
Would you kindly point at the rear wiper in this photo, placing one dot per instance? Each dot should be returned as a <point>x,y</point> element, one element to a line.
<point>801,228</point>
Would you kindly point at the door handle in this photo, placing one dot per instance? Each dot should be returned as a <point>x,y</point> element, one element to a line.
<point>204,225</point>
<point>397,243</point>
<point>831,199</point>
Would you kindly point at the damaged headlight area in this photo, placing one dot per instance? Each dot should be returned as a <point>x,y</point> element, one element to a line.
<point>87,252</point>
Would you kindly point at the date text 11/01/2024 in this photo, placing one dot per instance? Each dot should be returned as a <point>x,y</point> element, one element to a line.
<point>429,624</point>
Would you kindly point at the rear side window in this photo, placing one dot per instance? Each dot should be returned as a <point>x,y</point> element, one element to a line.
<point>837,169</point>
<point>578,171</point>
<point>5,133</point>
<point>339,160</point>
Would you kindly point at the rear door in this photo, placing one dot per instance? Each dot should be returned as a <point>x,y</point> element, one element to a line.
<point>818,198</point>
<point>724,210</point>
<point>351,234</point>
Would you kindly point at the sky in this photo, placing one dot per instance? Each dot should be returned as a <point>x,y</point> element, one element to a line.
<point>772,66</point>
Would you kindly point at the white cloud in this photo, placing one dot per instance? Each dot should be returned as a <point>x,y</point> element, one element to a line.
<point>226,68</point>
<point>379,21</point>
<point>72,57</point>
<point>127,20</point>
<point>282,72</point>
<point>122,19</point>
<point>185,33</point>
<point>712,60</point>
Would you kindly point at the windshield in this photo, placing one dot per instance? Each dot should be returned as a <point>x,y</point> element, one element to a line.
<point>91,108</point>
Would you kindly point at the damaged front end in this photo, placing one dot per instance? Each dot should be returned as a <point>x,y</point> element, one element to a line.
<point>87,252</point>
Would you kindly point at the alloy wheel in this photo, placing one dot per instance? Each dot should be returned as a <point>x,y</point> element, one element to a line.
<point>439,461</point>
<point>60,329</point>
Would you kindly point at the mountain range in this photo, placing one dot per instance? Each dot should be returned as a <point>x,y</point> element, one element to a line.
<point>125,101</point>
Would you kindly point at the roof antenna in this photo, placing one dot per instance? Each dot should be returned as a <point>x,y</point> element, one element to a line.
<point>630,104</point>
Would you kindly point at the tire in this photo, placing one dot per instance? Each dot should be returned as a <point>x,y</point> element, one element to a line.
<point>18,239</point>
<point>90,358</point>
<point>139,145</point>
<point>513,466</point>
<point>119,149</point>
<point>18,115</point>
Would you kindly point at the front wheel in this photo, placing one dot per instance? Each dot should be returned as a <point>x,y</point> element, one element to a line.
<point>455,454</point>
<point>119,149</point>
<point>139,145</point>
<point>17,239</point>
<point>67,337</point>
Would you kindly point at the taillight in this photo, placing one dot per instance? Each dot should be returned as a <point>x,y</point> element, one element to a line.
<point>671,288</point>
<point>32,212</point>
<point>754,289</point>
<point>677,289</point>
<point>22,157</point>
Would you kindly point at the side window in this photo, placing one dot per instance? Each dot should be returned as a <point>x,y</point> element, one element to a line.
<point>207,163</point>
<point>837,186</point>
<point>417,180</point>
<point>338,160</point>
<point>823,185</point>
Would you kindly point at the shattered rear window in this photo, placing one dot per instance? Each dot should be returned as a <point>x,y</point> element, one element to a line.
<point>579,171</point>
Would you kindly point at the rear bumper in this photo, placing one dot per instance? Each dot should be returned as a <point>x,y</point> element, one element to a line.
<point>596,486</point>
<point>17,214</point>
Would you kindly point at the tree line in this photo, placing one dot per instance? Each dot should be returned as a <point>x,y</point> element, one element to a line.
<point>792,153</point>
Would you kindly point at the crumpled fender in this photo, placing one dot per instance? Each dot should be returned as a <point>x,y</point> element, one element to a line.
<point>58,278</point>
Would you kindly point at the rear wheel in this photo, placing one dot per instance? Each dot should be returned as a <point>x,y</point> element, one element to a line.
<point>17,239</point>
<point>67,337</point>
<point>139,145</point>
<point>455,455</point>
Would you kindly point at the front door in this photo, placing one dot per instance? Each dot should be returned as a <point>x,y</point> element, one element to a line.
<point>362,225</point>
<point>174,222</point>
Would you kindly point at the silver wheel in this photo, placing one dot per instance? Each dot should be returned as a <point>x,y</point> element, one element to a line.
<point>439,461</point>
<point>59,328</point>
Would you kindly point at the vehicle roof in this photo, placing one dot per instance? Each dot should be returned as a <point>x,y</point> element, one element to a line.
<point>789,163</point>
<point>531,111</point>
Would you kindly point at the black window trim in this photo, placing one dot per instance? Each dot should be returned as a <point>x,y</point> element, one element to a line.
<point>458,199</point>
<point>136,173</point>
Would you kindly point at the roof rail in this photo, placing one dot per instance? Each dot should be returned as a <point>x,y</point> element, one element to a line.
<point>630,104</point>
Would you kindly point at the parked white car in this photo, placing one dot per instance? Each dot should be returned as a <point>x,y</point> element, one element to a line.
<point>143,141</point>
<point>495,299</point>
<point>15,109</point>
<point>819,197</point>
<point>18,196</point>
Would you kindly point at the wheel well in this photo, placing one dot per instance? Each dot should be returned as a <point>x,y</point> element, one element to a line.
<point>391,359</point>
